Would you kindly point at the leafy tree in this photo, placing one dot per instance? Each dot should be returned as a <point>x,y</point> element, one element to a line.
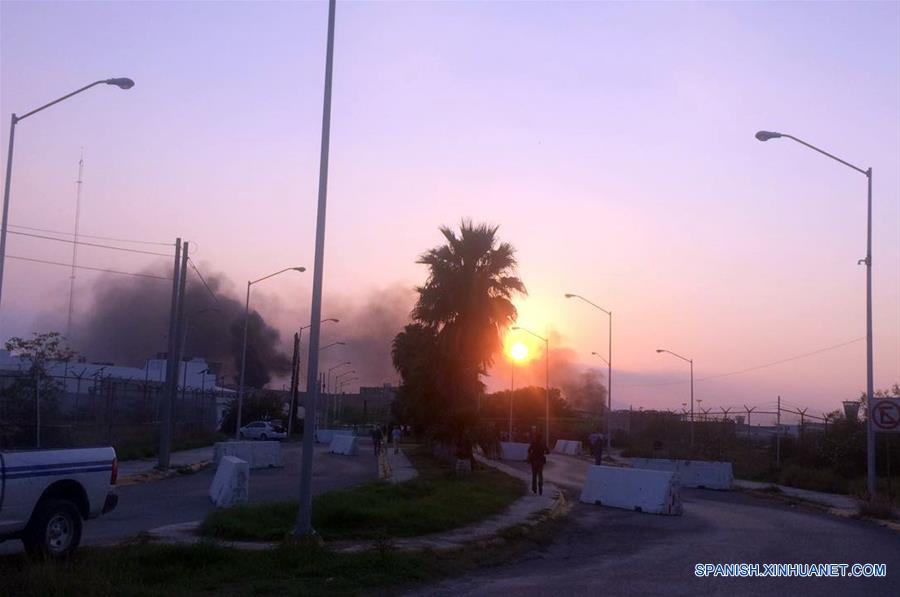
<point>40,350</point>
<point>414,353</point>
<point>20,398</point>
<point>467,303</point>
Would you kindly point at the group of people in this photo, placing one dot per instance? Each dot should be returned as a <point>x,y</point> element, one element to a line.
<point>381,434</point>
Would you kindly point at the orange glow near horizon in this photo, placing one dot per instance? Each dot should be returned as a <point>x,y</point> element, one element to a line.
<point>518,352</point>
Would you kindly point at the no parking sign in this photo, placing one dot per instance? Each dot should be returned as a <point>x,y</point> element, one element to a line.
<point>885,414</point>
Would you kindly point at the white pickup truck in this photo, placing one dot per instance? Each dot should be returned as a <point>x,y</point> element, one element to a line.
<point>45,495</point>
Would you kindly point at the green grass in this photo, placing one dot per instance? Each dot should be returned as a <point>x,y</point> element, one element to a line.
<point>433,502</point>
<point>175,570</point>
<point>140,570</point>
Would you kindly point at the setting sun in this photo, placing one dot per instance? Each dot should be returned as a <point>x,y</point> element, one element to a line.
<point>518,351</point>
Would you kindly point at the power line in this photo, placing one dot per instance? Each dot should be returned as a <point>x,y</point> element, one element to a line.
<point>99,246</point>
<point>755,368</point>
<point>787,360</point>
<point>94,269</point>
<point>109,238</point>
<point>202,279</point>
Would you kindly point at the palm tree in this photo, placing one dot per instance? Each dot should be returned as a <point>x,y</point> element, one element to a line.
<point>467,300</point>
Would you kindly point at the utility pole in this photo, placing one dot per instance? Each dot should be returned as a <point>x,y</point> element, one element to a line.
<point>182,327</point>
<point>295,362</point>
<point>303,525</point>
<point>778,435</point>
<point>165,407</point>
<point>75,245</point>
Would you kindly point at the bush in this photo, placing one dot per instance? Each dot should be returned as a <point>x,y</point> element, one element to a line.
<point>812,478</point>
<point>878,508</point>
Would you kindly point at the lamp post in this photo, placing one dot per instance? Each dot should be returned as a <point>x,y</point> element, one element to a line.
<point>329,388</point>
<point>347,381</point>
<point>303,525</point>
<point>300,337</point>
<point>337,378</point>
<point>237,427</point>
<point>547,378</point>
<point>328,383</point>
<point>518,353</point>
<point>870,375</point>
<point>691,361</point>
<point>608,361</point>
<point>297,374</point>
<point>121,83</point>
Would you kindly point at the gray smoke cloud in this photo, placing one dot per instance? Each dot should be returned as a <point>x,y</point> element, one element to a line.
<point>368,327</point>
<point>128,322</point>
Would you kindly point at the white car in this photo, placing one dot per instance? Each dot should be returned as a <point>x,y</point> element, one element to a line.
<point>45,495</point>
<point>263,430</point>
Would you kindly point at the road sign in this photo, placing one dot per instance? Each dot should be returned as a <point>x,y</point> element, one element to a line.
<point>885,414</point>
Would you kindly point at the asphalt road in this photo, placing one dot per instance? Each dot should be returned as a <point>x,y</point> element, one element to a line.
<point>185,498</point>
<point>605,551</point>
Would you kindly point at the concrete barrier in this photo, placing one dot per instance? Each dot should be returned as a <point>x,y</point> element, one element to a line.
<point>573,448</point>
<point>256,454</point>
<point>324,436</point>
<point>570,447</point>
<point>691,473</point>
<point>343,444</point>
<point>513,451</point>
<point>230,486</point>
<point>641,490</point>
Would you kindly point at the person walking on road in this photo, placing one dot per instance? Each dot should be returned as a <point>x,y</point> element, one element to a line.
<point>596,441</point>
<point>395,438</point>
<point>377,436</point>
<point>537,457</point>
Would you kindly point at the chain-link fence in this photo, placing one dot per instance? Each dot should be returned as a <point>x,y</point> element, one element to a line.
<point>71,411</point>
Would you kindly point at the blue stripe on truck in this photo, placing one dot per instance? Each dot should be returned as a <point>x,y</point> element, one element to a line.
<point>47,473</point>
<point>35,467</point>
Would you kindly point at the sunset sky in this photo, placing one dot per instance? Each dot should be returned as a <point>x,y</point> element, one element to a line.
<point>611,142</point>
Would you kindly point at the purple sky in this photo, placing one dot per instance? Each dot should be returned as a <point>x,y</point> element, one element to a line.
<point>612,142</point>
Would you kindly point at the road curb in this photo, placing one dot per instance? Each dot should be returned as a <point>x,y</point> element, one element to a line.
<point>158,475</point>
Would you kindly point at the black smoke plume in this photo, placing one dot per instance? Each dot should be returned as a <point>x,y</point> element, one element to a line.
<point>368,327</point>
<point>128,322</point>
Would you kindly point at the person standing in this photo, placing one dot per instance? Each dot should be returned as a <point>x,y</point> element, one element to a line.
<point>537,457</point>
<point>596,441</point>
<point>395,437</point>
<point>377,436</point>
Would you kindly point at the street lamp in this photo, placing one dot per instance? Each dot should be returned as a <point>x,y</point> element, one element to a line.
<point>237,427</point>
<point>332,344</point>
<point>347,381</point>
<point>121,83</point>
<point>303,525</point>
<point>608,362</point>
<point>547,370</point>
<point>870,375</point>
<point>691,361</point>
<point>328,384</point>
<point>517,353</point>
<point>337,378</point>
<point>300,337</point>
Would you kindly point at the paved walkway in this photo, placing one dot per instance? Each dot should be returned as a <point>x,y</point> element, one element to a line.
<point>400,469</point>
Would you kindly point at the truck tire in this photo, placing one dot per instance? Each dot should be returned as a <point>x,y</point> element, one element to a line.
<point>54,530</point>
